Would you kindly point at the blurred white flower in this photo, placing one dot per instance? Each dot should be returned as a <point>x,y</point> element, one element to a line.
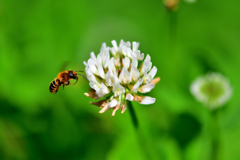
<point>190,1</point>
<point>213,90</point>
<point>118,78</point>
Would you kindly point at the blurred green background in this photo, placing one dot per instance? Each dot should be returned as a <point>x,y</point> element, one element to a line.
<point>37,37</point>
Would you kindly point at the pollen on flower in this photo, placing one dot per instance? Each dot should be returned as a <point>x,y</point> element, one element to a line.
<point>213,90</point>
<point>115,77</point>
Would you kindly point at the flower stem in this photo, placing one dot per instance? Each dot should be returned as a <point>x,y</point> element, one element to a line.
<point>138,131</point>
<point>215,135</point>
<point>172,32</point>
<point>133,115</point>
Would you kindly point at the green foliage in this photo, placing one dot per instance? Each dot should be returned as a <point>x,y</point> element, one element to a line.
<point>37,38</point>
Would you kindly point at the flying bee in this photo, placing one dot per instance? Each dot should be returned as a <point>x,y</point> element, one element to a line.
<point>63,79</point>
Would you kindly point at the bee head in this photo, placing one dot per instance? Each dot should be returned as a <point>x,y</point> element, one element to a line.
<point>73,75</point>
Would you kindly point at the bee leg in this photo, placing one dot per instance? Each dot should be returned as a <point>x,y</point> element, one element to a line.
<point>68,83</point>
<point>76,80</point>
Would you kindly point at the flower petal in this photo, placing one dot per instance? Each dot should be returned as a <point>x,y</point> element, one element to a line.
<point>153,72</point>
<point>93,57</point>
<point>135,46</point>
<point>136,86</point>
<point>124,76</point>
<point>93,67</point>
<point>111,65</point>
<point>113,103</point>
<point>123,108</point>
<point>92,95</point>
<point>126,62</point>
<point>104,90</point>
<point>105,108</point>
<point>117,89</point>
<point>109,78</point>
<point>146,88</point>
<point>114,43</point>
<point>134,62</point>
<point>146,66</point>
<point>155,80</point>
<point>134,73</point>
<point>115,109</point>
<point>129,97</point>
<point>148,100</point>
<point>101,71</point>
<point>147,78</point>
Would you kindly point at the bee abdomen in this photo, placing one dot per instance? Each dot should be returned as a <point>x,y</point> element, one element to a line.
<point>54,85</point>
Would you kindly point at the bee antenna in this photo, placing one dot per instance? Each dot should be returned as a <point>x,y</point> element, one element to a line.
<point>78,71</point>
<point>81,75</point>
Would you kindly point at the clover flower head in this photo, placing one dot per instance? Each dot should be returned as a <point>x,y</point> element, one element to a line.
<point>213,90</point>
<point>115,76</point>
<point>171,5</point>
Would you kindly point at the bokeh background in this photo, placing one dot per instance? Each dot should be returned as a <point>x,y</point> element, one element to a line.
<point>39,37</point>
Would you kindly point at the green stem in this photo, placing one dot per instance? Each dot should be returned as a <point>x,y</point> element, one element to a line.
<point>138,131</point>
<point>133,115</point>
<point>172,32</point>
<point>215,135</point>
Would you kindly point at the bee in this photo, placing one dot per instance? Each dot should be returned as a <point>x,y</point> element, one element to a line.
<point>63,79</point>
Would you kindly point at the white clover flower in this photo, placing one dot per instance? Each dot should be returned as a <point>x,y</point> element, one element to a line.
<point>116,77</point>
<point>190,1</point>
<point>213,90</point>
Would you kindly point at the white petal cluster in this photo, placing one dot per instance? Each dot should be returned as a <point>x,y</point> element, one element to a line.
<point>213,90</point>
<point>115,73</point>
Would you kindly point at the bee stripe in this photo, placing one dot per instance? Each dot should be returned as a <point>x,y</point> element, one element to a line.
<point>52,86</point>
<point>54,83</point>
